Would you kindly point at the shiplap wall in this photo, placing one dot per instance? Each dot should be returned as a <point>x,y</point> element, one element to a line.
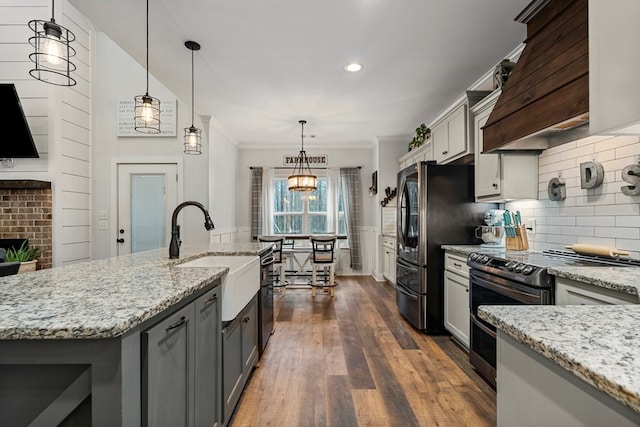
<point>73,174</point>
<point>601,216</point>
<point>59,119</point>
<point>34,95</point>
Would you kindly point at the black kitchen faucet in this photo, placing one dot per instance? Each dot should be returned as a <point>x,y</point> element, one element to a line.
<point>174,246</point>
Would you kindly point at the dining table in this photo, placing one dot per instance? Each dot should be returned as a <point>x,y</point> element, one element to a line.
<point>301,254</point>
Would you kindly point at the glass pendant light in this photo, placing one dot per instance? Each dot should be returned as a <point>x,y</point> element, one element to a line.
<point>192,135</point>
<point>147,108</point>
<point>301,178</point>
<point>52,52</point>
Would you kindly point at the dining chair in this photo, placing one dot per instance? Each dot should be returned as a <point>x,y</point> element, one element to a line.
<point>323,257</point>
<point>280,261</point>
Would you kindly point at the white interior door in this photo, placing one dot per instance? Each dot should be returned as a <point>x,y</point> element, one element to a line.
<point>147,195</point>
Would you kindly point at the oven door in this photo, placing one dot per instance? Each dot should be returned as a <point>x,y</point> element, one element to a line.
<point>487,289</point>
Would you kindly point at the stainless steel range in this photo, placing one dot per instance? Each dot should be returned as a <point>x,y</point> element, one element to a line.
<point>514,278</point>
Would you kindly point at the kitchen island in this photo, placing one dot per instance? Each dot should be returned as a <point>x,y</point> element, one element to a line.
<point>567,365</point>
<point>72,337</point>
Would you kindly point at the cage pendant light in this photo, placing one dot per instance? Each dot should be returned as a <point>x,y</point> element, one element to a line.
<point>192,135</point>
<point>52,52</point>
<point>301,178</point>
<point>147,108</point>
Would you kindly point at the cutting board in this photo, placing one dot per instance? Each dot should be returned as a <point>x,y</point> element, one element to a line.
<point>596,250</point>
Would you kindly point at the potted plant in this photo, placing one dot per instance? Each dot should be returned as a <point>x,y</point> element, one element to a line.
<point>422,133</point>
<point>25,255</point>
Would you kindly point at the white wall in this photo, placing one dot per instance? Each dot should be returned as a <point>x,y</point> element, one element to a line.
<point>600,216</point>
<point>389,149</point>
<point>223,180</point>
<point>59,119</point>
<point>120,77</point>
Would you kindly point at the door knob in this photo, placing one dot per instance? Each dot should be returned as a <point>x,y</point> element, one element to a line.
<point>120,240</point>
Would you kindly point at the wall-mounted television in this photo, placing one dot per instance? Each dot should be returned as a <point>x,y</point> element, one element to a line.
<point>17,141</point>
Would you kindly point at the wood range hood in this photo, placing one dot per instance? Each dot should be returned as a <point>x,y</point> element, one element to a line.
<point>545,101</point>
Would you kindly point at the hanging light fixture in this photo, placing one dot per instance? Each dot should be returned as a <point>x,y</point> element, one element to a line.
<point>147,108</point>
<point>301,178</point>
<point>192,135</point>
<point>52,52</point>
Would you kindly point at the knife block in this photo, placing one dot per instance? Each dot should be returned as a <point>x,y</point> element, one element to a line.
<point>520,241</point>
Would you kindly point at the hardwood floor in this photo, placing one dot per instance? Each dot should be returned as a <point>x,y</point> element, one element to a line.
<point>351,360</point>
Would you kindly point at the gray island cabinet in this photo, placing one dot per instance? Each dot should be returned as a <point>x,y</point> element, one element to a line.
<point>124,341</point>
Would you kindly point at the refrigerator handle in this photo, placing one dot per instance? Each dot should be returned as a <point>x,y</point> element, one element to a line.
<point>402,291</point>
<point>410,267</point>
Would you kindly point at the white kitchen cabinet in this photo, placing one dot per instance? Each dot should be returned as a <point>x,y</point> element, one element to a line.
<point>503,176</point>
<point>456,297</point>
<point>614,86</point>
<point>450,134</point>
<point>570,292</point>
<point>423,153</point>
<point>389,259</point>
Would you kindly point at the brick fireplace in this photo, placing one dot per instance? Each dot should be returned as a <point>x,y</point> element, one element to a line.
<point>25,213</point>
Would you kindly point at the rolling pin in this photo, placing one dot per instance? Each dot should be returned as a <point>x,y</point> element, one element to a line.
<point>596,250</point>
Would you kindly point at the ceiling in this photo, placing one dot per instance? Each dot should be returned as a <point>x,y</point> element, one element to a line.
<point>264,65</point>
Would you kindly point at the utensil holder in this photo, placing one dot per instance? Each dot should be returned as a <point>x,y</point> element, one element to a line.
<point>520,241</point>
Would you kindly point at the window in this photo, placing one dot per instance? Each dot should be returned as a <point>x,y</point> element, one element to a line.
<point>300,213</point>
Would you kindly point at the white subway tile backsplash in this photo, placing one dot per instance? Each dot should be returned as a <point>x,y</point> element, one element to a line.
<point>561,220</point>
<point>627,221</point>
<point>548,229</point>
<point>596,199</point>
<point>577,231</point>
<point>561,239</point>
<point>600,221</point>
<point>550,158</point>
<point>600,216</point>
<point>628,244</point>
<point>576,211</point>
<point>618,232</point>
<point>626,209</point>
<point>622,199</point>
<point>613,143</point>
<point>628,151</point>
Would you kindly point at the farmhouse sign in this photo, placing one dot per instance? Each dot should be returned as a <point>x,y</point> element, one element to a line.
<point>314,160</point>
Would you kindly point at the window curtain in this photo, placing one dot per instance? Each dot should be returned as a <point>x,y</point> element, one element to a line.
<point>333,187</point>
<point>257,208</point>
<point>352,198</point>
<point>268,176</point>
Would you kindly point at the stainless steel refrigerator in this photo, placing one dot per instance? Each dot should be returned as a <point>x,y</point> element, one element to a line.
<point>435,207</point>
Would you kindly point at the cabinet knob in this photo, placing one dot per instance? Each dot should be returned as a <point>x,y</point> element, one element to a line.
<point>466,290</point>
<point>246,319</point>
<point>494,185</point>
<point>444,152</point>
<point>120,240</point>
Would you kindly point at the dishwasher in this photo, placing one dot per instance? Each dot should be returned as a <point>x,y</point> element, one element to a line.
<point>265,299</point>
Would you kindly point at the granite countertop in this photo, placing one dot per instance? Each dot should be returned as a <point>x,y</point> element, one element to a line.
<point>105,298</point>
<point>599,344</point>
<point>620,279</point>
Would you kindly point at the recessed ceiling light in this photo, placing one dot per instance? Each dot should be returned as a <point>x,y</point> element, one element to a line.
<point>354,67</point>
